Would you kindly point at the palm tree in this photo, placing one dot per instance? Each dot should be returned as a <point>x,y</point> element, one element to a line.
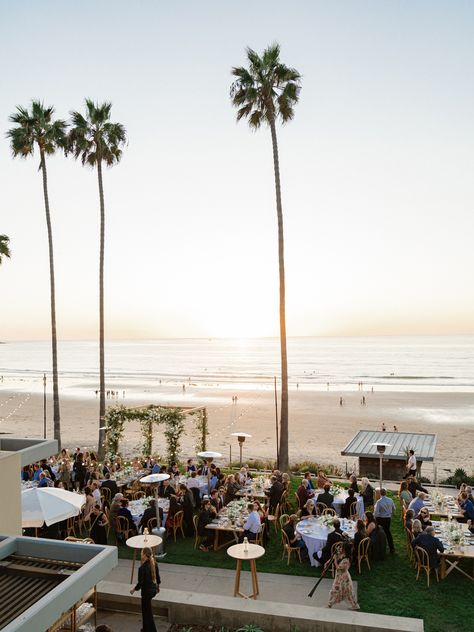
<point>97,142</point>
<point>4,247</point>
<point>266,92</point>
<point>37,128</point>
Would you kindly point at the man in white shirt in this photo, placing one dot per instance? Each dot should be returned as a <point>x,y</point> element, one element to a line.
<point>192,481</point>
<point>252,525</point>
<point>383,511</point>
<point>96,492</point>
<point>411,465</point>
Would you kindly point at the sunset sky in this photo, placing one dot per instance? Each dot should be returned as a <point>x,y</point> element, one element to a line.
<point>377,170</point>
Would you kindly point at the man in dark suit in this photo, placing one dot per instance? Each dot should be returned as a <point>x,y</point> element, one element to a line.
<point>326,497</point>
<point>274,493</point>
<point>166,489</point>
<point>187,502</point>
<point>111,485</point>
<point>326,551</point>
<point>427,541</point>
<point>148,514</point>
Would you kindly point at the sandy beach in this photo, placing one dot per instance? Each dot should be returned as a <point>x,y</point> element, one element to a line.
<point>319,426</point>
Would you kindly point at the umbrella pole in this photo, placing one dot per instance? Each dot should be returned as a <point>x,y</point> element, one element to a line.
<point>157,508</point>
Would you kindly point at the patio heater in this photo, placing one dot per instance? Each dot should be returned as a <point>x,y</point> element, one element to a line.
<point>381,447</point>
<point>241,436</point>
<point>155,480</point>
<point>208,457</point>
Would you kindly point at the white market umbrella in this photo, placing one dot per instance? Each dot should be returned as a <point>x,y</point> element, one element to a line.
<point>49,505</point>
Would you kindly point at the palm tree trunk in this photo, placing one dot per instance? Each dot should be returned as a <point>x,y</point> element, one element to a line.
<point>101,447</point>
<point>284,453</point>
<point>54,344</point>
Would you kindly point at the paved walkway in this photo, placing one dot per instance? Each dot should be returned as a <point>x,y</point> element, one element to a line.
<point>217,581</point>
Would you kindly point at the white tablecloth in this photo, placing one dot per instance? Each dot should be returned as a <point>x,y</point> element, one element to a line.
<point>202,483</point>
<point>137,509</point>
<point>315,535</point>
<point>340,499</point>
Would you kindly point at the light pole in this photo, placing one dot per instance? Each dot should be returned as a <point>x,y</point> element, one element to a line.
<point>241,436</point>
<point>381,447</point>
<point>44,405</point>
<point>208,456</point>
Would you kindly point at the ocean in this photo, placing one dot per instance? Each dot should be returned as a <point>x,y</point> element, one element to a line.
<point>411,363</point>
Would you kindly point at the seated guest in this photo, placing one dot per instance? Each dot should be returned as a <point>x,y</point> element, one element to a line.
<point>90,502</point>
<point>378,543</point>
<point>416,528</point>
<point>25,473</point>
<point>206,516</point>
<point>404,494</point>
<point>414,486</point>
<point>307,476</point>
<point>369,520</point>
<point>347,506</point>
<point>156,469</point>
<point>261,510</point>
<point>303,493</point>
<point>221,495</point>
<point>203,469</point>
<point>173,470</point>
<point>417,504</point>
<point>192,480</point>
<point>114,508</point>
<point>360,535</point>
<point>148,514</point>
<point>326,552</point>
<point>274,494</point>
<point>466,506</point>
<point>37,471</point>
<point>111,485</point>
<point>278,475</point>
<point>213,480</point>
<point>166,489</point>
<point>367,492</point>
<point>242,476</point>
<point>326,497</point>
<point>353,485</point>
<point>431,544</point>
<point>309,509</point>
<point>216,501</point>
<point>424,518</point>
<point>409,517</point>
<point>124,511</point>
<point>174,507</point>
<point>44,480</point>
<point>46,466</point>
<point>96,492</point>
<point>322,480</point>
<point>190,467</point>
<point>462,489</point>
<point>231,488</point>
<point>294,541</point>
<point>253,525</point>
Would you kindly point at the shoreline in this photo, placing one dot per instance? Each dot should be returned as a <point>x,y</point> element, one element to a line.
<point>320,427</point>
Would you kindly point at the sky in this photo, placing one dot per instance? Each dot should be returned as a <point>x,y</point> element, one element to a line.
<point>377,170</point>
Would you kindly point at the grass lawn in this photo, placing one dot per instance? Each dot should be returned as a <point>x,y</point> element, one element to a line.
<point>389,588</point>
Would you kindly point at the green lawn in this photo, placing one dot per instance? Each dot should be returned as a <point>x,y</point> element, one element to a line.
<point>389,588</point>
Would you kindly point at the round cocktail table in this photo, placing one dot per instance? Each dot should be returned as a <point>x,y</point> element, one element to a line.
<point>253,552</point>
<point>140,542</point>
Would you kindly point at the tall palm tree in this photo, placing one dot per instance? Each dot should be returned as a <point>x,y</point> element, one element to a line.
<point>266,93</point>
<point>4,248</point>
<point>37,128</point>
<point>98,142</point>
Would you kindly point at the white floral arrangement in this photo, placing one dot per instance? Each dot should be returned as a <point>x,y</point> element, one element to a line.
<point>336,490</point>
<point>146,500</point>
<point>454,532</point>
<point>327,520</point>
<point>437,499</point>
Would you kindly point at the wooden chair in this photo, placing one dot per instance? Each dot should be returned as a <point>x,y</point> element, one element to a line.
<point>122,527</point>
<point>283,520</point>
<point>329,511</point>
<point>410,551</point>
<point>137,495</point>
<point>152,524</point>
<point>71,528</point>
<point>197,537</point>
<point>353,513</point>
<point>333,550</point>
<point>423,563</point>
<point>274,517</point>
<point>284,505</point>
<point>107,515</point>
<point>320,507</point>
<point>106,494</point>
<point>363,553</point>
<point>260,536</point>
<point>288,549</point>
<point>80,540</point>
<point>298,514</point>
<point>177,524</point>
<point>298,504</point>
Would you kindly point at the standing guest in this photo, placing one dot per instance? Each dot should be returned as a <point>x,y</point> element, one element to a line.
<point>99,523</point>
<point>427,541</point>
<point>414,486</point>
<point>417,504</point>
<point>96,492</point>
<point>90,502</point>
<point>404,495</point>
<point>384,509</point>
<point>303,493</point>
<point>322,480</point>
<point>79,470</point>
<point>278,475</point>
<point>190,467</point>
<point>165,490</point>
<point>114,509</point>
<point>37,471</point>
<point>25,473</point>
<point>64,473</point>
<point>367,492</point>
<point>307,476</point>
<point>411,464</point>
<point>174,470</point>
<point>360,535</point>
<point>252,525</point>
<point>192,480</point>
<point>326,497</point>
<point>149,584</point>
<point>285,481</point>
<point>274,494</point>
<point>342,588</point>
<point>353,485</point>
<point>347,507</point>
<point>309,509</point>
<point>187,503</point>
<point>206,516</point>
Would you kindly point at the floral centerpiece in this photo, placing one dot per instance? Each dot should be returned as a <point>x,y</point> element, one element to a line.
<point>327,520</point>
<point>146,500</point>
<point>336,490</point>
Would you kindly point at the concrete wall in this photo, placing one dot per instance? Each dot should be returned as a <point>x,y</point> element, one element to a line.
<point>10,514</point>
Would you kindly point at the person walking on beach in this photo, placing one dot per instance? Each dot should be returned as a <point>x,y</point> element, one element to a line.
<point>342,587</point>
<point>149,584</point>
<point>384,427</point>
<point>341,401</point>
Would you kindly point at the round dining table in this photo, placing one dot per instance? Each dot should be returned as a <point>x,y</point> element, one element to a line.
<point>315,534</point>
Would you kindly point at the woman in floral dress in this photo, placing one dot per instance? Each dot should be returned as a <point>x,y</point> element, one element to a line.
<point>342,588</point>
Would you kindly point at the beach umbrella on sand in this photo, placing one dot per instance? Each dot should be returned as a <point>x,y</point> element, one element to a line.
<point>48,505</point>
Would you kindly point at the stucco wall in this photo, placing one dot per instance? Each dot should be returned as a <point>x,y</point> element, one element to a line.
<point>10,471</point>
